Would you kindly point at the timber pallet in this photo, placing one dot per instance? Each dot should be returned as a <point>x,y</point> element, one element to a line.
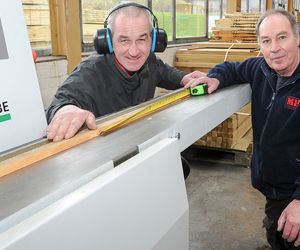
<point>217,155</point>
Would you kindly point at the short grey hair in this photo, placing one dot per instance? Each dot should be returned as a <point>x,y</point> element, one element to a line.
<point>129,11</point>
<point>283,12</point>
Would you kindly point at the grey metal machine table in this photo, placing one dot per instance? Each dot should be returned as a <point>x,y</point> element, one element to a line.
<point>80,199</point>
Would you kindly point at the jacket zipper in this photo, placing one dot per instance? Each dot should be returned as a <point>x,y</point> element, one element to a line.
<point>272,100</point>
<point>270,106</point>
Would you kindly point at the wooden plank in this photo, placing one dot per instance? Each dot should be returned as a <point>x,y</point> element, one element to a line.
<point>40,44</point>
<point>193,61</point>
<point>34,155</point>
<point>37,14</point>
<point>30,157</point>
<point>39,33</point>
<point>290,6</point>
<point>233,6</point>
<point>194,64</point>
<point>219,51</point>
<point>210,60</point>
<point>232,39</point>
<point>52,148</point>
<point>241,117</point>
<point>93,16</point>
<point>229,133</point>
<point>73,34</point>
<point>235,20</point>
<point>269,4</point>
<point>224,45</point>
<point>246,108</point>
<point>191,69</point>
<point>235,27</point>
<point>245,143</point>
<point>35,2</point>
<point>244,127</point>
<point>242,15</point>
<point>58,27</point>
<point>65,30</point>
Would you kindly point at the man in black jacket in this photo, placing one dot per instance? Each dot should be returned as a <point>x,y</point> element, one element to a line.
<point>123,77</point>
<point>125,73</point>
<point>275,83</point>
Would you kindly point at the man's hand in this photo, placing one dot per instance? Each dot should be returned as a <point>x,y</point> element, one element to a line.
<point>289,222</point>
<point>67,121</point>
<point>197,77</point>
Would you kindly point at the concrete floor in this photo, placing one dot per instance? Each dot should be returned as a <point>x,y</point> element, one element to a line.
<point>225,211</point>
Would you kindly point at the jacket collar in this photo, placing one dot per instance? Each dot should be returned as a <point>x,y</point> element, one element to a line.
<point>271,74</point>
<point>122,68</point>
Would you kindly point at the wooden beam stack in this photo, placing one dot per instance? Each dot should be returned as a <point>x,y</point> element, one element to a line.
<point>234,133</point>
<point>38,22</point>
<point>91,21</point>
<point>203,56</point>
<point>37,17</point>
<point>237,27</point>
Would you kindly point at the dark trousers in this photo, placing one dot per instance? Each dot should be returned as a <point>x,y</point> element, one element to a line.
<point>273,210</point>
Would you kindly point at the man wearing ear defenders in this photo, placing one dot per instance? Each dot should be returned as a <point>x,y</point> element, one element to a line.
<point>125,72</point>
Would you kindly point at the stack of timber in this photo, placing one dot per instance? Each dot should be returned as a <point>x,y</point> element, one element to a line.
<point>229,143</point>
<point>234,133</point>
<point>237,27</point>
<point>92,20</point>
<point>203,56</point>
<point>37,18</point>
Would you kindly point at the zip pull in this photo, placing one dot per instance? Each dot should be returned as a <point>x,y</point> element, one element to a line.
<point>273,96</point>
<point>272,100</point>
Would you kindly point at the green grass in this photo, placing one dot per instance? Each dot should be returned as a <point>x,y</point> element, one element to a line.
<point>187,25</point>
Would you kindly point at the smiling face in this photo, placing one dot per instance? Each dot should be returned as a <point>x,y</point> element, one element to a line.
<point>279,45</point>
<point>131,39</point>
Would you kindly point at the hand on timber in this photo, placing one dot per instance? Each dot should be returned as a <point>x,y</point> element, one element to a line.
<point>289,222</point>
<point>67,121</point>
<point>195,78</point>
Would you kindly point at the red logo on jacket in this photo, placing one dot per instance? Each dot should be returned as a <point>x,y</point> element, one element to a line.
<point>292,102</point>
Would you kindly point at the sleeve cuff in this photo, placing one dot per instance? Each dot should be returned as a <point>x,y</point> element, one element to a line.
<point>296,194</point>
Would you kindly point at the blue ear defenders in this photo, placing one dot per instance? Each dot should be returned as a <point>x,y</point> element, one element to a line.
<point>103,41</point>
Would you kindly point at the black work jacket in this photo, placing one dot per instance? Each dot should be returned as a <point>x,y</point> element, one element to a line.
<point>275,166</point>
<point>98,85</point>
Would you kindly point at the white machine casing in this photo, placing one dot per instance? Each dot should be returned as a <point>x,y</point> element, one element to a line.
<point>22,116</point>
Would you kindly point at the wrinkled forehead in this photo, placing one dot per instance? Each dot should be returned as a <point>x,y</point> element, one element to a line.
<point>275,21</point>
<point>275,24</point>
<point>130,13</point>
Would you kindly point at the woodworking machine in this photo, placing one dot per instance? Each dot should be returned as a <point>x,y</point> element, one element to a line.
<point>124,190</point>
<point>22,117</point>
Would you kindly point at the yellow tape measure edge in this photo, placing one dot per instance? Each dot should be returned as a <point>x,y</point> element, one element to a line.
<point>147,110</point>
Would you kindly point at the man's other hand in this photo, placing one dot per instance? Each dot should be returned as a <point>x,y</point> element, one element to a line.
<point>67,121</point>
<point>197,77</point>
<point>289,222</point>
